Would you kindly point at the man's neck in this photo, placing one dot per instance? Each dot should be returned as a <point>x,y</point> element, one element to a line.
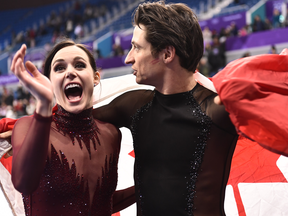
<point>177,82</point>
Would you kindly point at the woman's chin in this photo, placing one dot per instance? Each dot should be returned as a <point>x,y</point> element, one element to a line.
<point>75,108</point>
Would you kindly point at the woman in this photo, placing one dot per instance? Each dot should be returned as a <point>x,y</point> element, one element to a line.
<point>64,161</point>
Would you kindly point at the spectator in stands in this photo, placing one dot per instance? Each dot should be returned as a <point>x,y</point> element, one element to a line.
<point>103,9</point>
<point>19,108</point>
<point>19,37</point>
<point>10,112</point>
<point>246,54</point>
<point>273,50</point>
<point>31,37</point>
<point>31,105</point>
<point>276,18</point>
<point>243,31</point>
<point>7,97</point>
<point>13,37</point>
<point>54,21</point>
<point>258,24</point>
<point>207,35</point>
<point>203,66</point>
<point>77,5</point>
<point>55,36</point>
<point>42,30</point>
<point>69,26</point>
<point>267,24</point>
<point>22,94</point>
<point>3,110</point>
<point>117,50</point>
<point>78,31</point>
<point>216,56</point>
<point>96,11</point>
<point>88,12</point>
<point>233,29</point>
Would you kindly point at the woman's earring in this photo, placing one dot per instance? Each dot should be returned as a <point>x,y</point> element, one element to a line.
<point>94,84</point>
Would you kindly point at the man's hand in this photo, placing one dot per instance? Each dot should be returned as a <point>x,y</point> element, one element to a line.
<point>6,135</point>
<point>217,100</point>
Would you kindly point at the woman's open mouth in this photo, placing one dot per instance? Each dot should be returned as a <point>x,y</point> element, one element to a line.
<point>73,91</point>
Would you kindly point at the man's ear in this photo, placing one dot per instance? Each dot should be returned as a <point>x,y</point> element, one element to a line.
<point>96,78</point>
<point>169,54</point>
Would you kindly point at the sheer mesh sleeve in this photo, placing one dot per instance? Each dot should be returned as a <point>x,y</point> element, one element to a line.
<point>119,111</point>
<point>123,198</point>
<point>30,139</point>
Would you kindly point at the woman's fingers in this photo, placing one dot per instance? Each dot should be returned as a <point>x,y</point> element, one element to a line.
<point>19,54</point>
<point>31,68</point>
<point>19,68</point>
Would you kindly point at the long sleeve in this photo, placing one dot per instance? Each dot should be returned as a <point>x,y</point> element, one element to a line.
<point>120,110</point>
<point>30,140</point>
<point>123,198</point>
<point>254,91</point>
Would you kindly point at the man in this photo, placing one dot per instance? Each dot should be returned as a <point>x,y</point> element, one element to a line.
<point>183,141</point>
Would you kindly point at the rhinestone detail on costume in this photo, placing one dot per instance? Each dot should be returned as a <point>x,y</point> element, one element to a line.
<point>135,118</point>
<point>61,184</point>
<point>81,127</point>
<point>63,191</point>
<point>204,130</point>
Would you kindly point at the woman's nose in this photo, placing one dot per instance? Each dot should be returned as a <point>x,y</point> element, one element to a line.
<point>70,74</point>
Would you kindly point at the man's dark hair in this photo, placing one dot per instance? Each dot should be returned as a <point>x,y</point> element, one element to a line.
<point>172,25</point>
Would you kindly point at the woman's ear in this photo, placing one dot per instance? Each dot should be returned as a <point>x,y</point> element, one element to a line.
<point>96,78</point>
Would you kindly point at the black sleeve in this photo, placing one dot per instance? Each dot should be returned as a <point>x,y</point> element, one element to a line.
<point>121,109</point>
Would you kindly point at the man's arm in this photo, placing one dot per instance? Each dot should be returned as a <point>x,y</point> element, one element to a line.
<point>123,199</point>
<point>122,108</point>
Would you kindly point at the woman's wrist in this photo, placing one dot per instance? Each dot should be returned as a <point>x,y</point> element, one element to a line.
<point>44,109</point>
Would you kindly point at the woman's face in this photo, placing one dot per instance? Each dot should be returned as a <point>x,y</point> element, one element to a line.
<point>73,79</point>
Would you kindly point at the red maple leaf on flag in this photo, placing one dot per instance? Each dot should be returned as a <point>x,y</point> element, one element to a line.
<point>252,163</point>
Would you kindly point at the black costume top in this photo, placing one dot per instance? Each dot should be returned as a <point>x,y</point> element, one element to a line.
<point>183,147</point>
<point>80,170</point>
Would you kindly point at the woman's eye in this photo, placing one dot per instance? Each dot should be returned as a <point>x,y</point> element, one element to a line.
<point>59,68</point>
<point>80,65</point>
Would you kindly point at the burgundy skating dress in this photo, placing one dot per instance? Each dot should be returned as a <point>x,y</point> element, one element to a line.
<point>79,174</point>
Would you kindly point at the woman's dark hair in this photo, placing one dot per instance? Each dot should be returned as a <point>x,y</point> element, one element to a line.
<point>172,25</point>
<point>61,45</point>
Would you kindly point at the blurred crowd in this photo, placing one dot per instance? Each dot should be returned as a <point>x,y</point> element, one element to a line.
<point>15,104</point>
<point>68,23</point>
<point>214,58</point>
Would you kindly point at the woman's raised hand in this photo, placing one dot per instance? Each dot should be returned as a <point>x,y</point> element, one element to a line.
<point>38,85</point>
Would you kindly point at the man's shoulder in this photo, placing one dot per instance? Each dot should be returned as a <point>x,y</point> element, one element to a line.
<point>202,93</point>
<point>136,96</point>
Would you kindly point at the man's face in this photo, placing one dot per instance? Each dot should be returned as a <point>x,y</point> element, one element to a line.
<point>147,69</point>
